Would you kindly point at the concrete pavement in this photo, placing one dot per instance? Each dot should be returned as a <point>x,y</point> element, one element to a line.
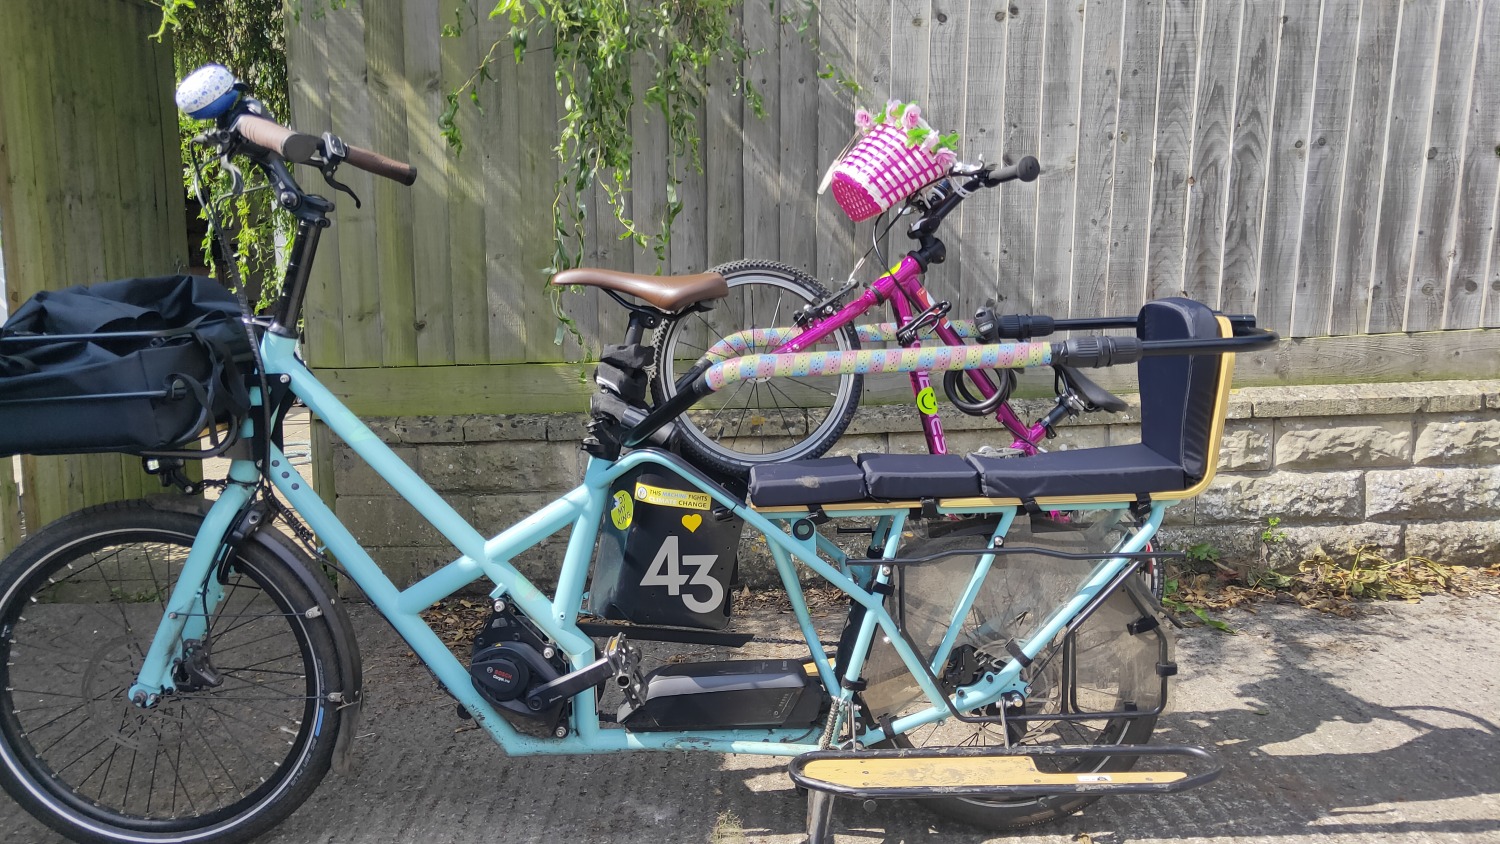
<point>1381,728</point>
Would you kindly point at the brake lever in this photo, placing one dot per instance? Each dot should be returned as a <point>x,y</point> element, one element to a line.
<point>334,152</point>
<point>236,178</point>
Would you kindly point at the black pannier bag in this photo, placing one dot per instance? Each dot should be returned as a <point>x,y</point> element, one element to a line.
<point>138,365</point>
<point>667,553</point>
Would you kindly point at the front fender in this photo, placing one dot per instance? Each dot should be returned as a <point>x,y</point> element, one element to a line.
<point>306,569</point>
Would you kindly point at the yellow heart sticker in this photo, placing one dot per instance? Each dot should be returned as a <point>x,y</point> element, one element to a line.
<point>691,521</point>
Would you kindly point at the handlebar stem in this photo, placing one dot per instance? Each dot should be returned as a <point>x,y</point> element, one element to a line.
<point>288,307</point>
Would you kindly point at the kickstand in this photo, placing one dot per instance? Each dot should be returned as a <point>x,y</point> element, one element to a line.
<point>819,812</point>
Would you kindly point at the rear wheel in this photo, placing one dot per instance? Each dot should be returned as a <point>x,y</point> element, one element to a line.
<point>765,420</point>
<point>1046,698</point>
<point>1102,668</point>
<point>238,746</point>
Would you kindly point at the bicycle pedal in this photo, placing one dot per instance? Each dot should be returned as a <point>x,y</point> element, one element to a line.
<point>988,772</point>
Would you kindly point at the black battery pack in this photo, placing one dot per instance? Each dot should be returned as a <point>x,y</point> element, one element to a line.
<point>728,695</point>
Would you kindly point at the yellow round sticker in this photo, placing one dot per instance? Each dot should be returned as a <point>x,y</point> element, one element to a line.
<point>623,511</point>
<point>927,401</point>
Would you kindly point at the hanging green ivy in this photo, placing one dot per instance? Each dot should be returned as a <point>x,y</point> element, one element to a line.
<point>247,37</point>
<point>594,46</point>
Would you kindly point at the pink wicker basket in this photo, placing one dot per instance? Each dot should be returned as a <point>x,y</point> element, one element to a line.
<point>879,171</point>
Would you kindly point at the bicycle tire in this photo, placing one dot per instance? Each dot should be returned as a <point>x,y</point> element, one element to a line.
<point>760,292</point>
<point>248,751</point>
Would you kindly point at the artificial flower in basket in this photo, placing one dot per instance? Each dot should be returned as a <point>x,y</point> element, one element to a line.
<point>895,153</point>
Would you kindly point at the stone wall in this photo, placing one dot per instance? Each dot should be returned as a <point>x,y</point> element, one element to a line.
<point>1411,469</point>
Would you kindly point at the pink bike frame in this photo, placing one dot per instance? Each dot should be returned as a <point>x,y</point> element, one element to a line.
<point>913,299</point>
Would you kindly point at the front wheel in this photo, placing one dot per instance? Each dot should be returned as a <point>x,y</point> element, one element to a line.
<point>243,740</point>
<point>765,420</point>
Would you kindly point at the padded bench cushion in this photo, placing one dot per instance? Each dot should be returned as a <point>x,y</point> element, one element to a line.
<point>909,477</point>
<point>1113,469</point>
<point>827,480</point>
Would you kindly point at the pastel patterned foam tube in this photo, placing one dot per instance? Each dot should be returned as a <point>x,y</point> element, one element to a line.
<point>881,332</point>
<point>865,361</point>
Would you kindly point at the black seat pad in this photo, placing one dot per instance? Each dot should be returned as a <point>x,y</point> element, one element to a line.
<point>1086,471</point>
<point>827,480</point>
<point>907,477</point>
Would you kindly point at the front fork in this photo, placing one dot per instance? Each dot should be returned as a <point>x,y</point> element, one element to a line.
<point>197,592</point>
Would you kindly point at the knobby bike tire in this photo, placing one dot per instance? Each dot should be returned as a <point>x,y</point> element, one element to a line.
<point>755,422</point>
<point>79,604</point>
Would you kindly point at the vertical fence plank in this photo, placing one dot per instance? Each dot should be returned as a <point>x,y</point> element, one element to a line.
<point>10,507</point>
<point>310,69</point>
<point>874,64</point>
<point>1171,155</point>
<point>724,157</point>
<point>762,147</point>
<point>1358,226</point>
<point>1332,95</point>
<point>90,181</point>
<point>797,103</point>
<point>943,108</point>
<point>1286,162</point>
<point>1024,29</point>
<point>1416,63</point>
<point>505,206</point>
<point>357,283</point>
<point>838,249</point>
<point>1098,130</point>
<point>1246,188</point>
<point>608,251</point>
<point>23,188</point>
<point>911,50</point>
<point>1213,126</point>
<point>465,195</point>
<point>1130,206</point>
<point>432,285</point>
<point>648,165</point>
<point>872,57</point>
<point>689,253</point>
<point>1062,55</point>
<point>1436,224</point>
<point>536,107</point>
<point>1490,289</point>
<point>983,126</point>
<point>390,97</point>
<point>1477,182</point>
<point>1490,295</point>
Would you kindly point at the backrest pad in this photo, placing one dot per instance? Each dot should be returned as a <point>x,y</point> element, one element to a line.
<point>1178,392</point>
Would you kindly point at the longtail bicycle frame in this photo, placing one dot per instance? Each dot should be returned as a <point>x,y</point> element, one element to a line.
<point>582,509</point>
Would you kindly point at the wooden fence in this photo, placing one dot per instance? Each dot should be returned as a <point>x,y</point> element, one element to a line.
<point>90,189</point>
<point>1331,166</point>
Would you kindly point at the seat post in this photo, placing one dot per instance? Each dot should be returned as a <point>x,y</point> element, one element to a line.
<point>639,321</point>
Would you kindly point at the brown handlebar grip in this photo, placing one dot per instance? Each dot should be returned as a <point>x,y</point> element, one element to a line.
<point>378,164</point>
<point>292,146</point>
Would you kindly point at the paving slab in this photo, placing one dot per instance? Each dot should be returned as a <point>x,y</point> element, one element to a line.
<point>1383,728</point>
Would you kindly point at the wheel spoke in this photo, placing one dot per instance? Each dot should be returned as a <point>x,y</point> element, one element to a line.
<point>91,608</point>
